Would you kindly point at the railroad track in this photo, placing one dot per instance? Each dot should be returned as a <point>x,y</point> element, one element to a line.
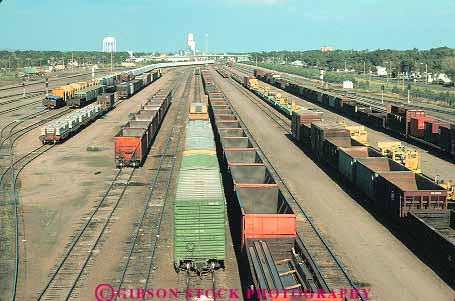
<point>20,96</point>
<point>9,178</point>
<point>137,268</point>
<point>327,264</point>
<point>367,100</point>
<point>192,284</point>
<point>9,210</point>
<point>66,275</point>
<point>41,82</point>
<point>279,119</point>
<point>65,278</point>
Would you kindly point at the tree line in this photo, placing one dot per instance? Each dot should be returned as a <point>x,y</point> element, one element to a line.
<point>16,60</point>
<point>435,60</point>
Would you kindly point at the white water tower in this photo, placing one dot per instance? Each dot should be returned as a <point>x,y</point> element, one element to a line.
<point>109,44</point>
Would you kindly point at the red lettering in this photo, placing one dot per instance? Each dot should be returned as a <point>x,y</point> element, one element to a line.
<point>173,293</point>
<point>131,291</point>
<point>296,293</point>
<point>261,293</point>
<point>161,293</point>
<point>343,292</point>
<point>150,293</point>
<point>121,293</point>
<point>332,294</point>
<point>274,293</point>
<point>210,293</point>
<point>140,293</point>
<point>250,292</point>
<point>234,294</point>
<point>366,293</point>
<point>199,292</point>
<point>219,294</point>
<point>353,293</point>
<point>321,293</point>
<point>188,293</point>
<point>308,293</point>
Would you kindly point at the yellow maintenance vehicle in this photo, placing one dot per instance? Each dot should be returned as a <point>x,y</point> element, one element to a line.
<point>358,132</point>
<point>447,186</point>
<point>406,156</point>
<point>251,83</point>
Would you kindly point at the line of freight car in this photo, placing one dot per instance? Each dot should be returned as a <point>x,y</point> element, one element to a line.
<point>392,188</point>
<point>355,163</point>
<point>131,85</point>
<point>199,204</point>
<point>222,72</point>
<point>78,94</point>
<point>263,225</point>
<point>69,125</point>
<point>273,98</point>
<point>437,135</point>
<point>362,99</point>
<point>434,233</point>
<point>135,138</point>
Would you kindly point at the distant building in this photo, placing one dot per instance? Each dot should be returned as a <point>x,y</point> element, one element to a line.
<point>381,71</point>
<point>298,63</point>
<point>327,48</point>
<point>109,44</point>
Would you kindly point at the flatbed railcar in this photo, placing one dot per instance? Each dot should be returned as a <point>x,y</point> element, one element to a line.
<point>132,143</point>
<point>63,128</point>
<point>395,119</point>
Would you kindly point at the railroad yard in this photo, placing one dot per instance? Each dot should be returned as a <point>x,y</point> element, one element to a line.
<point>107,193</point>
<point>218,176</point>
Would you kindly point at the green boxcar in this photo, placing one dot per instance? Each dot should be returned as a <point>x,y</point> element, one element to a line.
<point>199,206</point>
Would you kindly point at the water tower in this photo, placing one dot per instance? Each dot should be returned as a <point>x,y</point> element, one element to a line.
<point>109,44</point>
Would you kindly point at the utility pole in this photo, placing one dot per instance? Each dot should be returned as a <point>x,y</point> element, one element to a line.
<point>364,67</point>
<point>111,61</point>
<point>403,80</point>
<point>409,93</point>
<point>426,73</point>
<point>9,63</point>
<point>47,86</point>
<point>72,61</point>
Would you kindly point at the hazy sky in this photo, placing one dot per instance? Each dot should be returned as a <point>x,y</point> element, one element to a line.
<point>232,25</point>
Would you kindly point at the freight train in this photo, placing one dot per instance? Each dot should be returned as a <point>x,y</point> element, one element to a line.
<point>416,203</point>
<point>77,95</point>
<point>63,128</point>
<point>132,143</point>
<point>263,224</point>
<point>414,125</point>
<point>122,82</point>
<point>391,188</point>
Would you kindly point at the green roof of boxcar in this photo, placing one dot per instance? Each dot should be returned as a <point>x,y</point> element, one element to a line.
<point>195,161</point>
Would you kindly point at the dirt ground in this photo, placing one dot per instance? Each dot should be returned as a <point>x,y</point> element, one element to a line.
<point>374,256</point>
<point>59,189</point>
